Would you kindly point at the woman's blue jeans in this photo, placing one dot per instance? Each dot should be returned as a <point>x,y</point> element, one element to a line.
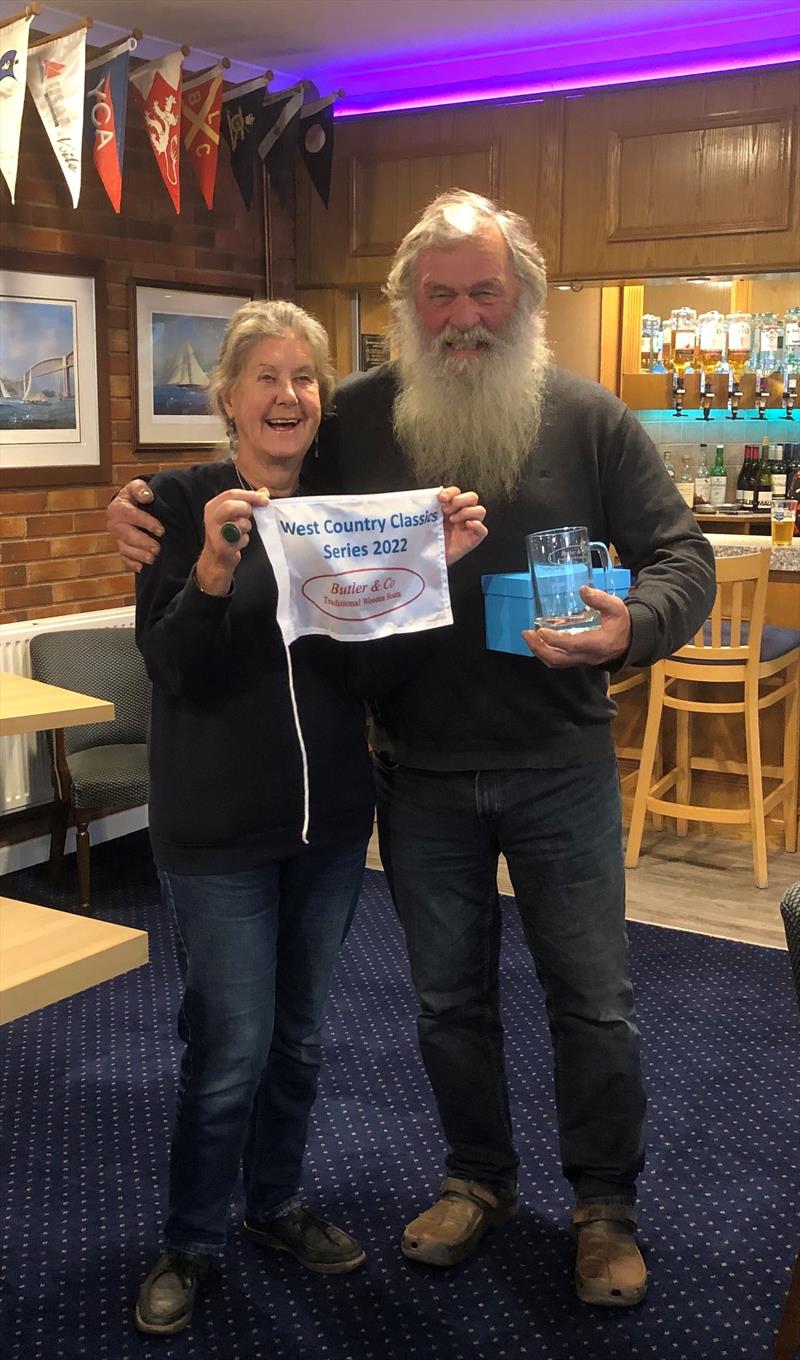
<point>560,832</point>
<point>257,953</point>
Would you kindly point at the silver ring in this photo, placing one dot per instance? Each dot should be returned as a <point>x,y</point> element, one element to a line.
<point>230,532</point>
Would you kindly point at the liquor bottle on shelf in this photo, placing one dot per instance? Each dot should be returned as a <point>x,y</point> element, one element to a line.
<point>718,481</point>
<point>710,341</point>
<point>666,345</point>
<point>685,482</point>
<point>777,470</point>
<point>702,481</point>
<point>744,484</point>
<point>684,338</point>
<point>767,343</point>
<point>651,342</point>
<point>762,489</point>
<point>738,329</point>
<point>791,340</point>
<point>669,466</point>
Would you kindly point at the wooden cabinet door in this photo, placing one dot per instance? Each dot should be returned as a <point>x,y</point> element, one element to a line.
<point>692,176</point>
<point>387,168</point>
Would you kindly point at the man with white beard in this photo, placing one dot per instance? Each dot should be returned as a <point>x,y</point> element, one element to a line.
<point>483,752</point>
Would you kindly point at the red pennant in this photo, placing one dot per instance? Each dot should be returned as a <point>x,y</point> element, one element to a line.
<point>157,90</point>
<point>200,121</point>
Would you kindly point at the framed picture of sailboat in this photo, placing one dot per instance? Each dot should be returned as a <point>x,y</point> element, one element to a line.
<point>55,425</point>
<point>176,335</point>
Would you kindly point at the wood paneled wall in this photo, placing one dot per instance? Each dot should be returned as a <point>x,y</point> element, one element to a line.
<point>674,177</point>
<point>55,557</point>
<point>682,177</point>
<point>387,168</point>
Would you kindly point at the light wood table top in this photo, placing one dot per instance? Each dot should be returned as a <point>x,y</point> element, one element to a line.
<point>47,955</point>
<point>29,706</point>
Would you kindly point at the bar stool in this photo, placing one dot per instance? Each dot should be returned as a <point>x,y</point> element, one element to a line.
<point>732,648</point>
<point>632,678</point>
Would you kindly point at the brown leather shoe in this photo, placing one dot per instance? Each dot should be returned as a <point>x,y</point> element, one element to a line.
<point>455,1224</point>
<point>609,1269</point>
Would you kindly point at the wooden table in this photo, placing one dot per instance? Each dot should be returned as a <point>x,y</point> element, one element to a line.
<point>47,955</point>
<point>29,706</point>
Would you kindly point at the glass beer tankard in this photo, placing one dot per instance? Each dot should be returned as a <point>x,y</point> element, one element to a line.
<point>560,563</point>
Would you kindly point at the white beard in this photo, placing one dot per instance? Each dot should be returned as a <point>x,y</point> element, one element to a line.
<point>465,421</point>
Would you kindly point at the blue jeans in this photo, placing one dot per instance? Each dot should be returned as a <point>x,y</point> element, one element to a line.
<point>560,832</point>
<point>257,953</point>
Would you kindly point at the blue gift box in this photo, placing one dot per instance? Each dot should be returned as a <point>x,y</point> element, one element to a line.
<point>508,606</point>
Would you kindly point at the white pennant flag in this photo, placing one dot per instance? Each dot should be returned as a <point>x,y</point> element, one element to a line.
<point>13,63</point>
<point>56,73</point>
<point>357,567</point>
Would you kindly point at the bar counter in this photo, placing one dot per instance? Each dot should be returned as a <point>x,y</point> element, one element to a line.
<point>783,592</point>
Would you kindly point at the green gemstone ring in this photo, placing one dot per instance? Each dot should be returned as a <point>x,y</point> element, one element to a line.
<point>230,532</point>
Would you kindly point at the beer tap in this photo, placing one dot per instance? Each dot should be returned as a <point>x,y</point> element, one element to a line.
<point>678,393</point>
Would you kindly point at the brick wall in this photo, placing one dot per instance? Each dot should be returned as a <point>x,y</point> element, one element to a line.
<point>55,557</point>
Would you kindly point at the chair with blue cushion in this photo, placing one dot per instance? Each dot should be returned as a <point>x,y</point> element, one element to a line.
<point>97,768</point>
<point>787,1340</point>
<point>762,664</point>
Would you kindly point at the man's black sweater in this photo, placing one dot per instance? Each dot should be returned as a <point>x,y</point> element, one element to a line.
<point>468,708</point>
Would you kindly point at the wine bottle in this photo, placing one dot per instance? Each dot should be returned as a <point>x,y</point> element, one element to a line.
<point>702,481</point>
<point>762,488</point>
<point>777,471</point>
<point>750,478</point>
<point>685,482</point>
<point>744,484</point>
<point>718,480</point>
<point>793,484</point>
<point>669,466</point>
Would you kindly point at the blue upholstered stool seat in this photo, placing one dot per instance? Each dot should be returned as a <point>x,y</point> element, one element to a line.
<point>775,642</point>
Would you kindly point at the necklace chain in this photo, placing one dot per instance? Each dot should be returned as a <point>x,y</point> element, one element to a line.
<point>243,484</point>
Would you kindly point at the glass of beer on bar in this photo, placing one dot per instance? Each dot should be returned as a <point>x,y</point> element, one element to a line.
<point>783,513</point>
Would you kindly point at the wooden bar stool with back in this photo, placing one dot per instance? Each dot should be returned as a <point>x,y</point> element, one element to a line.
<point>759,667</point>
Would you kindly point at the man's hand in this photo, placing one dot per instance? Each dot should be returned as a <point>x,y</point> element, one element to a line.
<point>594,646</point>
<point>464,528</point>
<point>131,528</point>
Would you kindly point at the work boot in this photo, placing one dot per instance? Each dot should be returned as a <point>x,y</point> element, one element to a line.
<point>317,1245</point>
<point>609,1269</point>
<point>452,1228</point>
<point>166,1298</point>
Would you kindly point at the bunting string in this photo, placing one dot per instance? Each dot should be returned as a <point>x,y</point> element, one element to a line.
<point>82,102</point>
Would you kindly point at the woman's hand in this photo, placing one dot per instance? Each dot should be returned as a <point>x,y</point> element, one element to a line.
<point>220,558</point>
<point>464,528</point>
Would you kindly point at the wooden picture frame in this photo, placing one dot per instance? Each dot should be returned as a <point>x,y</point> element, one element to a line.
<point>55,424</point>
<point>176,331</point>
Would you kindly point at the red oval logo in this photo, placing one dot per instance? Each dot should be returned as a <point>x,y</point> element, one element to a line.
<point>363,592</point>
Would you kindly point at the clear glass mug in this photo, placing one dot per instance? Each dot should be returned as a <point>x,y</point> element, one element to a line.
<point>560,562</point>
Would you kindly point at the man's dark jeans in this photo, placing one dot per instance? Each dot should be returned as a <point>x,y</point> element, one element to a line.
<point>560,832</point>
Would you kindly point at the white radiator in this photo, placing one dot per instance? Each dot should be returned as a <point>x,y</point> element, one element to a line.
<point>24,761</point>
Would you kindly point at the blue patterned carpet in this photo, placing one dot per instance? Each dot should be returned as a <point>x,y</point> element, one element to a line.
<point>87,1093</point>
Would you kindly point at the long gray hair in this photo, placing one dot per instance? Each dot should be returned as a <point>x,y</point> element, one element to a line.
<point>458,215</point>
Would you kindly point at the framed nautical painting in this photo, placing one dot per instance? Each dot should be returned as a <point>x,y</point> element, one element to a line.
<point>176,333</point>
<point>54,402</point>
